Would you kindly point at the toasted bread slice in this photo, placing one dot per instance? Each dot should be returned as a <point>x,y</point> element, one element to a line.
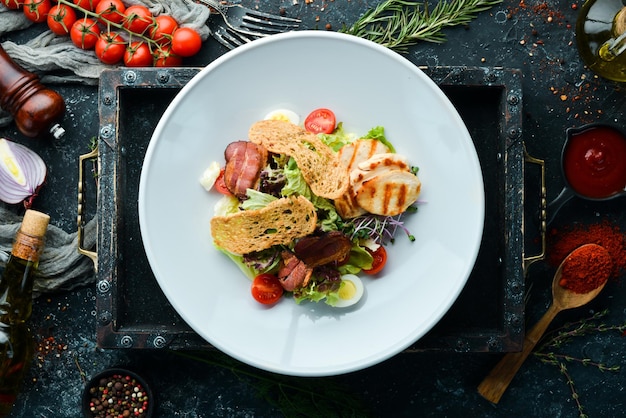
<point>280,222</point>
<point>351,155</point>
<point>389,193</point>
<point>319,164</point>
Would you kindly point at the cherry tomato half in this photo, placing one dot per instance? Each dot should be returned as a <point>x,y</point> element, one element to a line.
<point>380,259</point>
<point>84,33</point>
<point>320,121</point>
<point>220,184</point>
<point>61,18</point>
<point>266,289</point>
<point>186,42</point>
<point>37,10</point>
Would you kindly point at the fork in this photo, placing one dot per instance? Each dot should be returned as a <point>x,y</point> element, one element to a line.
<point>228,37</point>
<point>252,22</point>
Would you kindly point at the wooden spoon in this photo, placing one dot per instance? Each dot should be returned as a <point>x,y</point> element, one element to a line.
<point>493,386</point>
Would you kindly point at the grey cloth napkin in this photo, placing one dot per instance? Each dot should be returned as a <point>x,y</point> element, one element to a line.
<point>61,266</point>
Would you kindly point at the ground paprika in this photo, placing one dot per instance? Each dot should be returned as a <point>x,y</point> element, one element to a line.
<point>563,241</point>
<point>586,268</point>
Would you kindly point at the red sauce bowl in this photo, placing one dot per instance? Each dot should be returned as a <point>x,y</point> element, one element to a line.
<point>593,165</point>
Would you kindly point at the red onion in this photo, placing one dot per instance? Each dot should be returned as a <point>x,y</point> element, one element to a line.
<point>22,172</point>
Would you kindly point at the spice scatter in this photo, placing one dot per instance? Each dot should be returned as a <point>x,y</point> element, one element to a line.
<point>563,241</point>
<point>118,396</point>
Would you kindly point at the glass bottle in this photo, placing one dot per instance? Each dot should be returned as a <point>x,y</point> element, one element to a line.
<point>16,290</point>
<point>601,37</point>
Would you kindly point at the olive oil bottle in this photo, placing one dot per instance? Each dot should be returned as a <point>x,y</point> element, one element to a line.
<point>16,289</point>
<point>601,37</point>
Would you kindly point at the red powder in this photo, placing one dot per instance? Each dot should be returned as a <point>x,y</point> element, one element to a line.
<point>606,234</point>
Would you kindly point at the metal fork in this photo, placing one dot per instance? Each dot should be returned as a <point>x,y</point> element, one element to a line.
<point>228,37</point>
<point>252,22</point>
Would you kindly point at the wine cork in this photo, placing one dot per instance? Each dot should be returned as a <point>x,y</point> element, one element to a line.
<point>619,23</point>
<point>35,223</point>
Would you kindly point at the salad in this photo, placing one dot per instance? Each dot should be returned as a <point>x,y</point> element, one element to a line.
<point>308,207</point>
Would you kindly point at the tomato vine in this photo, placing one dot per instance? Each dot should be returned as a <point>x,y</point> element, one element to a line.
<point>108,26</point>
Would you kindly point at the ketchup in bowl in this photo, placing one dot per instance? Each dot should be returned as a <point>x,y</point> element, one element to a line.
<point>594,161</point>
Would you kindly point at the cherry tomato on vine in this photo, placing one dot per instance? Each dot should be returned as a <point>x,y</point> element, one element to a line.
<point>138,54</point>
<point>186,42</point>
<point>320,121</point>
<point>12,4</point>
<point>61,18</point>
<point>380,259</point>
<point>36,10</point>
<point>266,289</point>
<point>111,10</point>
<point>163,28</point>
<point>164,57</point>
<point>110,48</point>
<point>137,18</point>
<point>89,5</point>
<point>85,33</point>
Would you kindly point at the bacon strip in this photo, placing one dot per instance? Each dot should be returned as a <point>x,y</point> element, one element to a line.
<point>244,162</point>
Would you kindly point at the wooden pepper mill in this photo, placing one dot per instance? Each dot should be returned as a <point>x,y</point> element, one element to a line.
<point>36,109</point>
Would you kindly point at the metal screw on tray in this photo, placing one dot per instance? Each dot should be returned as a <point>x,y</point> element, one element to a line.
<point>36,109</point>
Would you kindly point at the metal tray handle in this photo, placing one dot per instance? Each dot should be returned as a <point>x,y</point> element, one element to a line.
<point>542,211</point>
<point>93,255</point>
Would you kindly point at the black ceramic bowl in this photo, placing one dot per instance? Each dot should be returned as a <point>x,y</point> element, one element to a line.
<point>117,392</point>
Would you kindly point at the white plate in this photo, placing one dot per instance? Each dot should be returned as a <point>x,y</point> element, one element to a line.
<point>366,85</point>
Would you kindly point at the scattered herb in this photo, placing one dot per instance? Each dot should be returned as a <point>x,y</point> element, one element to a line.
<point>560,337</point>
<point>293,396</point>
<point>398,24</point>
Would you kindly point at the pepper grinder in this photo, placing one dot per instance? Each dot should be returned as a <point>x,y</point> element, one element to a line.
<point>36,109</point>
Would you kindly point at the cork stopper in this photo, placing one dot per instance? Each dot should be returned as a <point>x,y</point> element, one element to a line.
<point>35,223</point>
<point>619,23</point>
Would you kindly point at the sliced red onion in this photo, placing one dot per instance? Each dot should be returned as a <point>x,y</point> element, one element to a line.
<point>22,172</point>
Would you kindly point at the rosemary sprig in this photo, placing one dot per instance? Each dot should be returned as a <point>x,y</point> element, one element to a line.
<point>561,336</point>
<point>398,24</point>
<point>293,396</point>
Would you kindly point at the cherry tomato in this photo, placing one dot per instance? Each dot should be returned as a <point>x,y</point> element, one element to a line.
<point>186,42</point>
<point>380,259</point>
<point>164,57</point>
<point>220,184</point>
<point>163,28</point>
<point>110,48</point>
<point>111,10</point>
<point>61,18</point>
<point>266,289</point>
<point>137,18</point>
<point>12,4</point>
<point>84,33</point>
<point>37,10</point>
<point>89,5</point>
<point>138,54</point>
<point>320,121</point>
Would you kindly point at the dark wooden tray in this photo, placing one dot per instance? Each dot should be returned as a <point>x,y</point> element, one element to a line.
<point>134,313</point>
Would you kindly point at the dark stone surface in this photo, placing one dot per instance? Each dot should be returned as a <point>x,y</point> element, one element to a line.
<point>536,37</point>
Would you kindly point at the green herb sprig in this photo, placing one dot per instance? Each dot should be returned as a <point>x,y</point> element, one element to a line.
<point>398,24</point>
<point>294,396</point>
<point>560,337</point>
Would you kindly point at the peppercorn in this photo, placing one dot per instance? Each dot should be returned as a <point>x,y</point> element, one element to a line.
<point>118,395</point>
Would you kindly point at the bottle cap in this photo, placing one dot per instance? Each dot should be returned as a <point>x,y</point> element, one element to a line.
<point>35,223</point>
